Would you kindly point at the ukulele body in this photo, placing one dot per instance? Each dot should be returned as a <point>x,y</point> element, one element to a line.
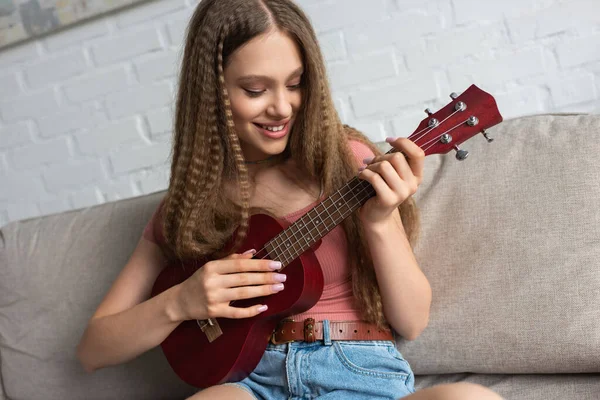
<point>234,355</point>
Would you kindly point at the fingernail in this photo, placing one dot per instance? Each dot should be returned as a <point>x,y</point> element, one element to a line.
<point>262,308</point>
<point>362,168</point>
<point>278,287</point>
<point>280,277</point>
<point>390,139</point>
<point>368,160</point>
<point>274,265</point>
<point>251,251</point>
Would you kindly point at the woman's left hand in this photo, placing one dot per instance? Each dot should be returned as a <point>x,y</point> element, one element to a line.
<point>394,178</point>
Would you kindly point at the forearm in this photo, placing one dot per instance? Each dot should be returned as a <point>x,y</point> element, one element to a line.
<point>118,338</point>
<point>405,291</point>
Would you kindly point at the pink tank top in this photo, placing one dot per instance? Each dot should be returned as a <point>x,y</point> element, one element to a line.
<point>337,301</point>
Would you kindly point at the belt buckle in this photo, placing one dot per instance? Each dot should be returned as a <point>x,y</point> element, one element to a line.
<point>275,331</point>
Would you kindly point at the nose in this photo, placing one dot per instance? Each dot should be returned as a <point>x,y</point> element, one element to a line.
<point>280,106</point>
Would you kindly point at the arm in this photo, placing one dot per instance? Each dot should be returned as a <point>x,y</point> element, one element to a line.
<point>127,323</point>
<point>405,291</point>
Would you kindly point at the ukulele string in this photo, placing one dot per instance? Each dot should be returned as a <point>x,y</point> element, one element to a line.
<point>431,128</point>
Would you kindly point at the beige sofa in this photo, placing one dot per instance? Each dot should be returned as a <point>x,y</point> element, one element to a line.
<point>510,243</point>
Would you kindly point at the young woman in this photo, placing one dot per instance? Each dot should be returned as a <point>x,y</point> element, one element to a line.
<point>256,129</point>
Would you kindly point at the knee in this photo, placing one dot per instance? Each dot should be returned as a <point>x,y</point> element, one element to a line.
<point>464,391</point>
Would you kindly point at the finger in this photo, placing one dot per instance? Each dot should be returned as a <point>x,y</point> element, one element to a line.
<point>383,191</point>
<point>415,156</point>
<point>244,312</point>
<point>250,292</point>
<point>242,263</point>
<point>251,278</point>
<point>390,174</point>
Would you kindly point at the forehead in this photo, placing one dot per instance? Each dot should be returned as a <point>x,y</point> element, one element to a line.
<point>272,54</point>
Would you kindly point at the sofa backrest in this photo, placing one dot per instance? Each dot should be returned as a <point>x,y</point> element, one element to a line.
<point>511,246</point>
<point>54,271</point>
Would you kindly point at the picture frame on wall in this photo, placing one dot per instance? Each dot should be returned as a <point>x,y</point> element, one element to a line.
<point>24,19</point>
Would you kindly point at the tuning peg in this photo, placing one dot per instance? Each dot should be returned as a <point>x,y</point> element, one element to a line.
<point>453,95</point>
<point>489,139</point>
<point>461,154</point>
<point>428,111</point>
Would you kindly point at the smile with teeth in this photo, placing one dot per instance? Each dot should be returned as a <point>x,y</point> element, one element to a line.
<point>272,128</point>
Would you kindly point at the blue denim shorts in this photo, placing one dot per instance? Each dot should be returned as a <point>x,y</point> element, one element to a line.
<point>345,370</point>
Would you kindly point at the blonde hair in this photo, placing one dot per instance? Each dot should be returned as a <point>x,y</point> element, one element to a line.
<point>198,217</point>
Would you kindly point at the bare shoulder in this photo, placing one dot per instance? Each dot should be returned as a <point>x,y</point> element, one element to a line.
<point>134,283</point>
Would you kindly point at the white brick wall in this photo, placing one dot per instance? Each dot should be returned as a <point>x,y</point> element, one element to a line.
<point>86,114</point>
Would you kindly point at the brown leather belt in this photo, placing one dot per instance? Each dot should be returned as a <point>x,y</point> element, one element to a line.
<point>308,331</point>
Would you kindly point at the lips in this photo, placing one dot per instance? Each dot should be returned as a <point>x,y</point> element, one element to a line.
<point>271,134</point>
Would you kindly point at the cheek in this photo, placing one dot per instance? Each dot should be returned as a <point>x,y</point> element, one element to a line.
<point>244,109</point>
<point>296,100</point>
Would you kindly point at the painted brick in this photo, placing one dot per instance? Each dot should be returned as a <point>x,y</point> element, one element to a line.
<point>56,68</point>
<point>387,101</point>
<point>133,159</point>
<point>158,66</point>
<point>87,116</point>
<point>332,46</point>
<point>97,85</point>
<point>126,46</point>
<point>365,70</point>
<point>374,130</point>
<point>138,100</point>
<point>74,175</point>
<point>107,138</point>
<point>25,52</point>
<point>468,11</point>
<point>156,181</point>
<point>10,86</point>
<point>15,135</point>
<point>336,14</point>
<point>121,188</point>
<point>160,120</point>
<point>21,186</point>
<point>573,90</point>
<point>177,25</point>
<point>148,11</point>
<point>554,19</point>
<point>580,51</point>
<point>40,154</point>
<point>501,69</point>
<point>35,105</point>
<point>54,206</point>
<point>453,46</point>
<point>86,198</point>
<point>520,101</point>
<point>22,211</point>
<point>406,27</point>
<point>76,35</point>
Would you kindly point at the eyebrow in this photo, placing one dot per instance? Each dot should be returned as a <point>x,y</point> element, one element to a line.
<point>247,78</point>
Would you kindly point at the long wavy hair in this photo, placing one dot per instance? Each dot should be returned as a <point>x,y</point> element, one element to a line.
<point>198,217</point>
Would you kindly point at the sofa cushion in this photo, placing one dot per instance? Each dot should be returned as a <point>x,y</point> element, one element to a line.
<point>54,272</point>
<point>511,246</point>
<point>526,387</point>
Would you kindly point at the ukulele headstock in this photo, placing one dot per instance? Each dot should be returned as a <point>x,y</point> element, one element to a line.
<point>464,117</point>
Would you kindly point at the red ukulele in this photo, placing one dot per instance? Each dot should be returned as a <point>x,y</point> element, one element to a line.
<point>206,353</point>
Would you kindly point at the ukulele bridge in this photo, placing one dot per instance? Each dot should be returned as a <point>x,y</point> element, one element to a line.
<point>211,329</point>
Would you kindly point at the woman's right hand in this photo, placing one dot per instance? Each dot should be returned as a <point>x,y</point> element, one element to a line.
<point>210,290</point>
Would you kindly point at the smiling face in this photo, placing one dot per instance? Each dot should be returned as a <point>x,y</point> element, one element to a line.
<point>263,80</point>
